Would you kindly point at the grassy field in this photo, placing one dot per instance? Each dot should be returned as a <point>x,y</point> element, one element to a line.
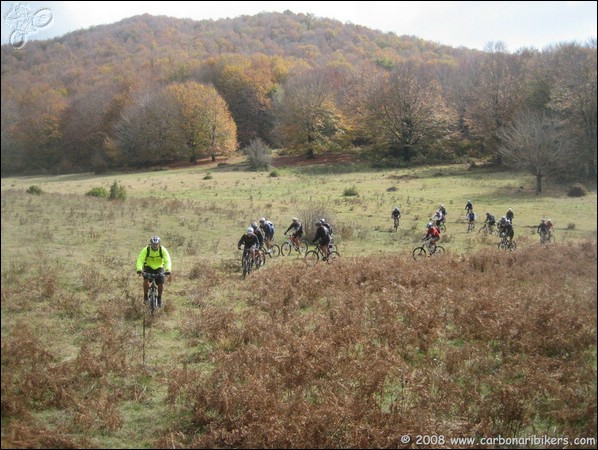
<point>360,353</point>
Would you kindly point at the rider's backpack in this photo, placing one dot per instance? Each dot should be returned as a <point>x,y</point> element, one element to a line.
<point>148,250</point>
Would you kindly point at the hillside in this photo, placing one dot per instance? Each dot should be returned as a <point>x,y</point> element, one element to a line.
<point>146,39</point>
<point>144,92</point>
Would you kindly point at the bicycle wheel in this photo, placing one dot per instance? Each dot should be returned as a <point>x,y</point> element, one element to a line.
<point>442,227</point>
<point>303,247</point>
<point>439,250</point>
<point>274,250</point>
<point>332,256</point>
<point>285,249</point>
<point>512,245</point>
<point>551,239</point>
<point>153,300</point>
<point>333,248</point>
<point>260,261</point>
<point>311,257</point>
<point>503,245</point>
<point>419,253</point>
<point>246,264</point>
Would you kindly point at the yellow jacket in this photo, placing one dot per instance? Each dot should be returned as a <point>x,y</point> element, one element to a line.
<point>154,259</point>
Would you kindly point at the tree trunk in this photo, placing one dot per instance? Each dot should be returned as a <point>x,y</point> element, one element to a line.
<point>538,184</point>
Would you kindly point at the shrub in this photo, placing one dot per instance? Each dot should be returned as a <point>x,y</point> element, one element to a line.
<point>34,190</point>
<point>117,192</point>
<point>577,190</point>
<point>208,176</point>
<point>351,192</point>
<point>274,173</point>
<point>97,192</point>
<point>311,215</point>
<point>258,154</point>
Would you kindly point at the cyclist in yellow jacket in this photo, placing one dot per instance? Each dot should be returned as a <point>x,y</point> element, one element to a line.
<point>154,259</point>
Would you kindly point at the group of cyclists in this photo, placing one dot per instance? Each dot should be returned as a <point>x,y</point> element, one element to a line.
<point>504,226</point>
<point>257,240</point>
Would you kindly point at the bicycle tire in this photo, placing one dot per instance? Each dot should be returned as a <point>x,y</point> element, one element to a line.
<point>259,262</point>
<point>153,300</point>
<point>439,250</point>
<point>442,227</point>
<point>274,250</point>
<point>311,257</point>
<point>246,265</point>
<point>551,239</point>
<point>303,248</point>
<point>502,246</point>
<point>332,256</point>
<point>419,253</point>
<point>285,249</point>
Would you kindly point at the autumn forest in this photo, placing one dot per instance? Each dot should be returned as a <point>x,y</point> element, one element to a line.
<point>152,90</point>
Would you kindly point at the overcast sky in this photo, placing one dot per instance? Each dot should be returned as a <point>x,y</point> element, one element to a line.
<point>471,24</point>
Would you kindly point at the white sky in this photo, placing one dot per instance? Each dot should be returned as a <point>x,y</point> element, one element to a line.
<point>471,24</point>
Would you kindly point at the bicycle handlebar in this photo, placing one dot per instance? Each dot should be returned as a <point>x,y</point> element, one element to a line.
<point>151,276</point>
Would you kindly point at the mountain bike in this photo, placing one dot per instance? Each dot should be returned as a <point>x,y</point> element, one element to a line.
<point>505,244</point>
<point>291,244</point>
<point>424,251</point>
<point>470,226</point>
<point>313,256</point>
<point>396,223</point>
<point>248,262</point>
<point>487,229</point>
<point>547,238</point>
<point>153,289</point>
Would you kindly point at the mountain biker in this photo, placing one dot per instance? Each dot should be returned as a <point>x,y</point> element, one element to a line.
<point>490,221</point>
<point>471,217</point>
<point>505,226</point>
<point>396,214</point>
<point>322,235</point>
<point>433,235</point>
<point>550,226</point>
<point>442,209</point>
<point>154,259</point>
<point>438,217</point>
<point>542,230</point>
<point>260,237</point>
<point>250,242</point>
<point>327,226</point>
<point>268,229</point>
<point>469,206</point>
<point>298,233</point>
<point>510,215</point>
